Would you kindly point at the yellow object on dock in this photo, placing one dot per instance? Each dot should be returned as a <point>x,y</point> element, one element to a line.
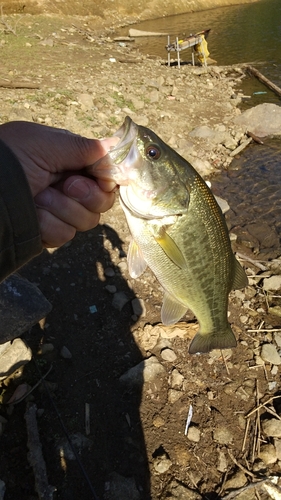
<point>197,42</point>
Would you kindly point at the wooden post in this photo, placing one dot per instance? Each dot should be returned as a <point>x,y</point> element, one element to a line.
<point>253,71</point>
<point>169,55</point>
<point>178,52</point>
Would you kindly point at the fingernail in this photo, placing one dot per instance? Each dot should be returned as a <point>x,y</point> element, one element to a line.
<point>44,199</point>
<point>79,189</point>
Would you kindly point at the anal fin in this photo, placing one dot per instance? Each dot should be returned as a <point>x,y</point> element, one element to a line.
<point>172,310</point>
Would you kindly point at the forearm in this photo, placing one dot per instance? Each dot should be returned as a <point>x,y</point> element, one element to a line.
<point>20,238</point>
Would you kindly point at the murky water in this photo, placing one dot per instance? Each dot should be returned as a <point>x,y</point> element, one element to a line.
<point>252,187</point>
<point>240,34</point>
<point>248,33</point>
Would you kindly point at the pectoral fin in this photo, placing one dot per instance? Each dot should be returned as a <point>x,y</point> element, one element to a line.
<point>172,311</point>
<point>171,249</point>
<point>240,277</point>
<point>136,262</point>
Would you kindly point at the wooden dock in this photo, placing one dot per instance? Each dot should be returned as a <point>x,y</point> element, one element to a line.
<point>189,42</point>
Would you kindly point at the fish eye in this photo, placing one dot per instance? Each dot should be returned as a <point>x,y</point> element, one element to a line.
<point>152,151</point>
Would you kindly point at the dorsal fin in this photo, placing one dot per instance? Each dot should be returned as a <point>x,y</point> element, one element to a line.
<point>240,277</point>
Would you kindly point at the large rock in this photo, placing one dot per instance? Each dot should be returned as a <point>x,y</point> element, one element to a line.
<point>22,305</point>
<point>12,356</point>
<point>262,120</point>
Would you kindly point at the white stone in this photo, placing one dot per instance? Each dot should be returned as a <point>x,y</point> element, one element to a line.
<point>277,338</point>
<point>270,354</point>
<point>13,355</point>
<point>176,379</point>
<point>223,435</point>
<point>174,395</point>
<point>168,355</point>
<point>268,454</point>
<point>277,444</point>
<point>194,434</point>
<point>238,480</point>
<point>222,462</point>
<point>162,464</point>
<point>273,283</point>
<point>272,427</point>
<point>261,120</point>
<point>147,371</point>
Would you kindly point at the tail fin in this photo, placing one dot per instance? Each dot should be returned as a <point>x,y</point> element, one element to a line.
<point>216,340</point>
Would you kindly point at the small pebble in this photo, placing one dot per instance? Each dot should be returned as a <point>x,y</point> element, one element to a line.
<point>138,306</point>
<point>119,300</point>
<point>46,348</point>
<point>158,421</point>
<point>162,464</point>
<point>222,462</point>
<point>93,309</point>
<point>176,379</point>
<point>223,435</point>
<point>109,272</point>
<point>270,354</point>
<point>111,288</point>
<point>268,454</point>
<point>194,434</point>
<point>65,353</point>
<point>277,338</point>
<point>238,480</point>
<point>277,444</point>
<point>273,283</point>
<point>272,427</point>
<point>174,395</point>
<point>168,355</point>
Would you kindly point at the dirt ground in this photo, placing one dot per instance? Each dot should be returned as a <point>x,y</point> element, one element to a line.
<point>136,447</point>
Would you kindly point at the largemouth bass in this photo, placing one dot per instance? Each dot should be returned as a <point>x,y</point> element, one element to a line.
<point>178,230</point>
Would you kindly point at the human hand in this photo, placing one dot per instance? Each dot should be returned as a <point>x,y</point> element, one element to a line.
<point>55,161</point>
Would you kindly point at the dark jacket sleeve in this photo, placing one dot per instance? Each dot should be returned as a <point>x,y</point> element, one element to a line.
<point>20,238</point>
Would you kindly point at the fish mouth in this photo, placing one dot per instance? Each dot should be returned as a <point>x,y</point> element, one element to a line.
<point>116,164</point>
<point>143,210</point>
<point>127,134</point>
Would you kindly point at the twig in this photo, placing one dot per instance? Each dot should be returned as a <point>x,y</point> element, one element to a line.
<point>246,471</point>
<point>256,442</point>
<point>87,419</point>
<point>252,261</point>
<point>237,492</point>
<point>35,455</point>
<point>256,139</point>
<point>246,434</point>
<point>225,363</point>
<point>257,484</point>
<point>262,404</point>
<point>265,330</point>
<point>32,388</point>
<point>18,85</point>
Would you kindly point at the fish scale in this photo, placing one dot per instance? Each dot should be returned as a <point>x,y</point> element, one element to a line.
<point>178,230</point>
